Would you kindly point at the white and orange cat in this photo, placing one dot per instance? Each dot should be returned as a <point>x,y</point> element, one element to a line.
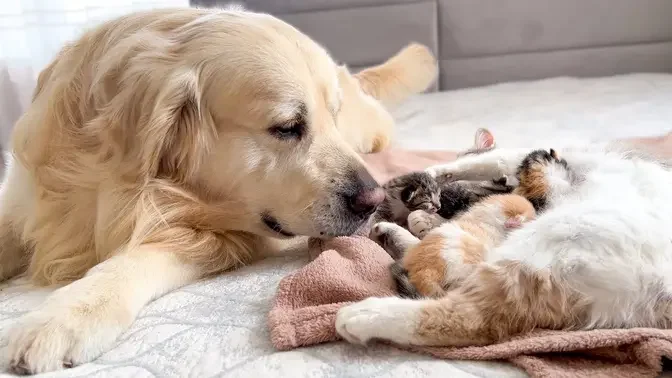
<point>597,255</point>
<point>448,253</point>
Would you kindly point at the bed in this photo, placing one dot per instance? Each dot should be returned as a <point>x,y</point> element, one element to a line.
<point>218,327</point>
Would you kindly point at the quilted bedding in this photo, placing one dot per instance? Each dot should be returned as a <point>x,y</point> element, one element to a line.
<point>218,327</point>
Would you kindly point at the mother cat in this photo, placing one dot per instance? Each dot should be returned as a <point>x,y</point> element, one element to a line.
<point>599,256</point>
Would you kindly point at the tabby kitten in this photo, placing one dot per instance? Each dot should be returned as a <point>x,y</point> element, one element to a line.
<point>406,193</point>
<point>456,198</point>
<point>439,199</point>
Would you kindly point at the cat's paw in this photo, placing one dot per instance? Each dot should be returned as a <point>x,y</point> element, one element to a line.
<point>502,181</point>
<point>504,184</point>
<point>420,223</point>
<point>445,173</point>
<point>391,237</point>
<point>540,171</point>
<point>391,318</point>
<point>381,233</point>
<point>442,174</point>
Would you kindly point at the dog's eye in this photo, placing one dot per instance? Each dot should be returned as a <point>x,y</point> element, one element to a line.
<point>288,131</point>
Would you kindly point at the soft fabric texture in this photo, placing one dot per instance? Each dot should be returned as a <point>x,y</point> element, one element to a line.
<point>350,269</point>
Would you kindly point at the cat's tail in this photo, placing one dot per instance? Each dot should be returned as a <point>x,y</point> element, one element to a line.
<point>404,286</point>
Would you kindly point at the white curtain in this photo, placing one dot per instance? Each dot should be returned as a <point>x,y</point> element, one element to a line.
<point>33,31</point>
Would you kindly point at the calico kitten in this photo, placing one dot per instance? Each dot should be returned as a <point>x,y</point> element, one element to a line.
<point>447,254</point>
<point>430,266</point>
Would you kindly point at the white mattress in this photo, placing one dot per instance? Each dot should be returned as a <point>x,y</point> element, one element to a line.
<point>561,111</point>
<point>218,327</point>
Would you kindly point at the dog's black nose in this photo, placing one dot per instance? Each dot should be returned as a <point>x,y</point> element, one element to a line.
<point>366,196</point>
<point>366,200</point>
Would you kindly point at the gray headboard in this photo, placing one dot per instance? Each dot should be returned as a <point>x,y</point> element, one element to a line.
<point>482,42</point>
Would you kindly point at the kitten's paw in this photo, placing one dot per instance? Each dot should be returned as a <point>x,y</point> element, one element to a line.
<point>55,338</point>
<point>420,223</point>
<point>391,318</point>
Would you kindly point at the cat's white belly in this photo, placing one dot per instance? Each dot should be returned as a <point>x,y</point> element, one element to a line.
<point>610,241</point>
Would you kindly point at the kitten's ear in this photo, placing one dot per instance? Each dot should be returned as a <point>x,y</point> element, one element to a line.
<point>407,194</point>
<point>484,139</point>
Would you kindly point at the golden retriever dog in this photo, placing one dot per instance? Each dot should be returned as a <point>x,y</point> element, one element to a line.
<point>166,146</point>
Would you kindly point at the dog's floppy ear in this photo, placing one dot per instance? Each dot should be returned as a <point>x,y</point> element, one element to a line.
<point>179,132</point>
<point>412,70</point>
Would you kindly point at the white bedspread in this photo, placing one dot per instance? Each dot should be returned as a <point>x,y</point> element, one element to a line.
<point>218,327</point>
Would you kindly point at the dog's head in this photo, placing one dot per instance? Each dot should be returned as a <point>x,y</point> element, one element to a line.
<point>250,112</point>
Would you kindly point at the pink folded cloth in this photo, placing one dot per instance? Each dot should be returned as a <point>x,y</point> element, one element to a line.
<point>350,269</point>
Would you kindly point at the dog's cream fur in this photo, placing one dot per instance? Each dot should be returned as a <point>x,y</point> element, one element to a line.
<point>145,162</point>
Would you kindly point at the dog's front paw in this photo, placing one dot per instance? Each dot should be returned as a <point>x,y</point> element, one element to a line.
<point>392,319</point>
<point>55,338</point>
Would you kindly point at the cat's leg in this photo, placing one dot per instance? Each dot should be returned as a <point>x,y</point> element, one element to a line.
<point>543,176</point>
<point>486,166</point>
<point>493,303</point>
<point>394,239</point>
<point>78,322</point>
<point>421,222</point>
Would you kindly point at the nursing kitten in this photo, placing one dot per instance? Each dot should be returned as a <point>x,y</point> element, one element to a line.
<point>456,197</point>
<point>448,253</point>
<point>440,199</point>
<point>429,267</point>
<point>460,195</point>
<point>406,193</point>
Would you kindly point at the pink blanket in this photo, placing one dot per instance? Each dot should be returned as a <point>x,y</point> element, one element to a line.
<point>350,269</point>
<point>353,268</point>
